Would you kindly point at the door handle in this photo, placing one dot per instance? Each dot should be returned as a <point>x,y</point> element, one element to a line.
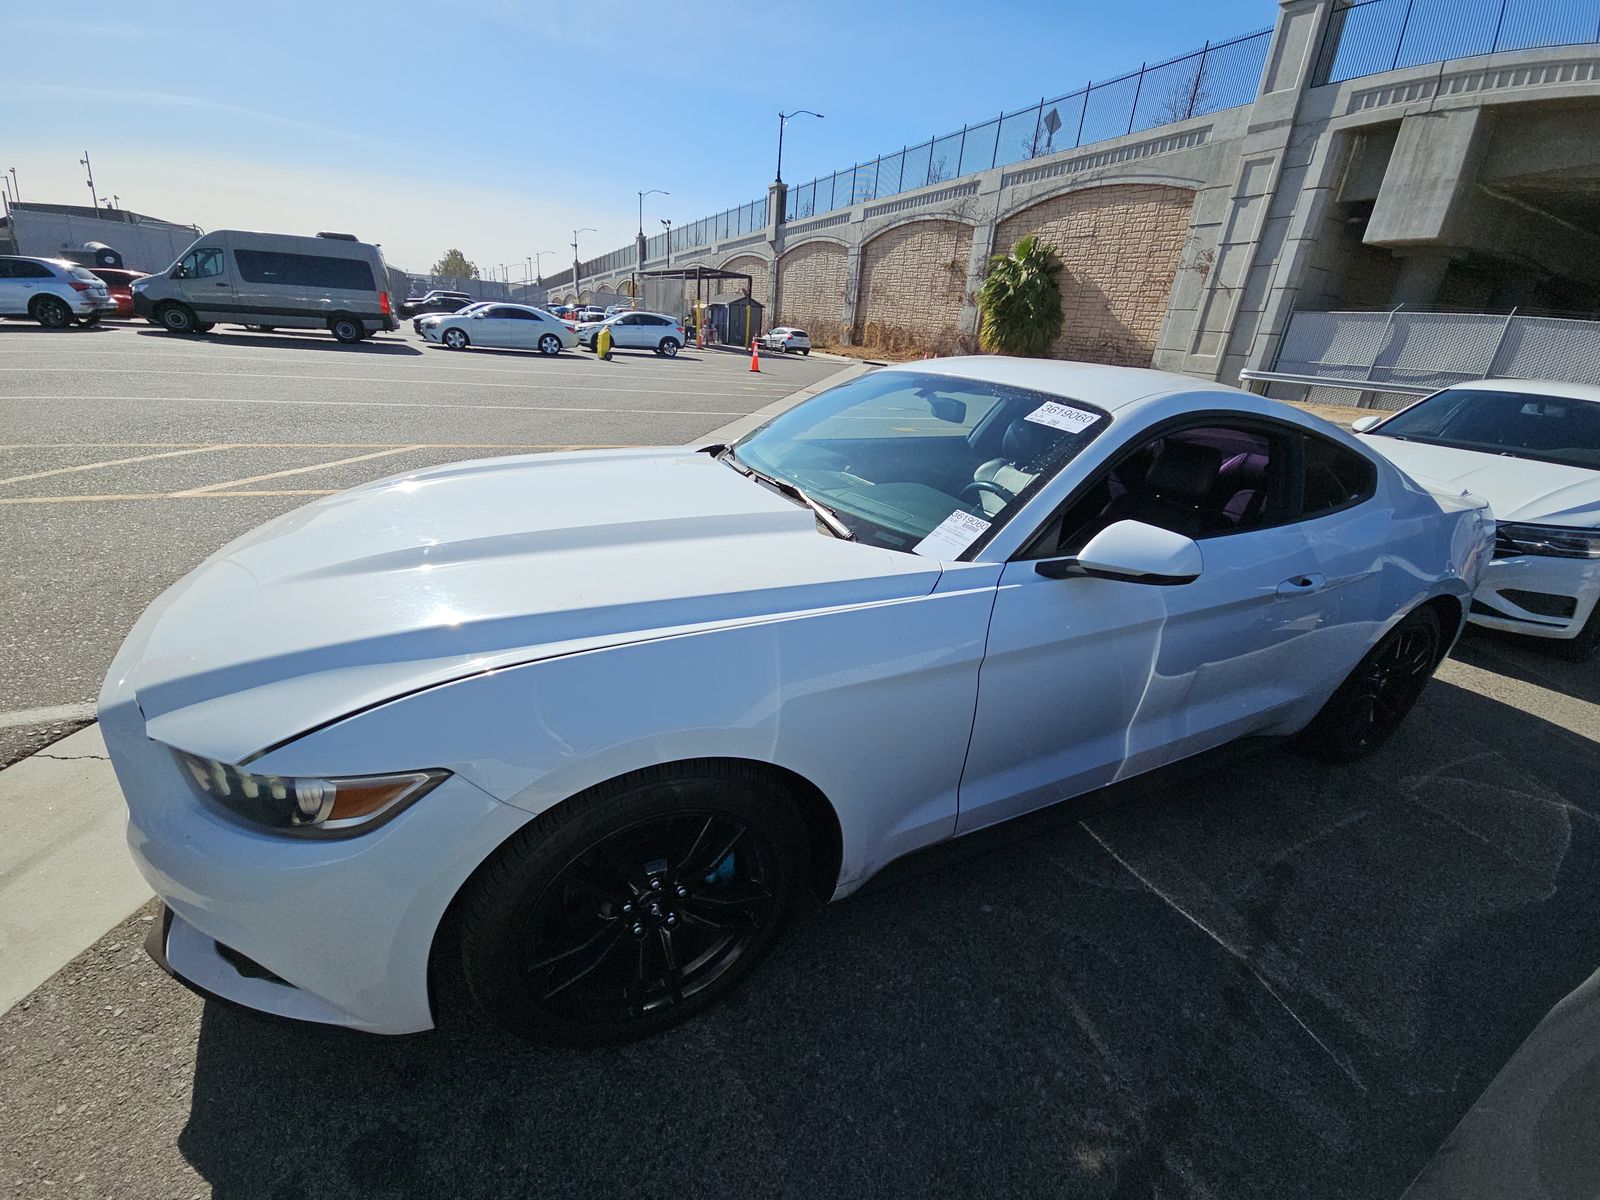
<point>219,284</point>
<point>1302,585</point>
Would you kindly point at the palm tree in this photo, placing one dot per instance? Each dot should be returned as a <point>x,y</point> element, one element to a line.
<point>1021,301</point>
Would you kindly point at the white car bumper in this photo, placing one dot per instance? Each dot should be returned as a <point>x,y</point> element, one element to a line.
<point>335,931</point>
<point>1537,595</point>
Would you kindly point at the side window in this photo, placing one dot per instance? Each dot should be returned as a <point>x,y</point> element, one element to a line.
<point>1203,481</point>
<point>1335,477</point>
<point>22,269</point>
<point>517,314</point>
<point>200,263</point>
<point>6,268</point>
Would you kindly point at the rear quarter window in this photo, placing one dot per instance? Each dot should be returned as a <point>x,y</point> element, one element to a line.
<point>1335,477</point>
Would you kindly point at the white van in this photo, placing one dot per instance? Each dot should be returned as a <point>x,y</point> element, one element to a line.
<point>269,281</point>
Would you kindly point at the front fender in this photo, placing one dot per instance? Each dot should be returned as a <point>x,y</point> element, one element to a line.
<point>872,704</point>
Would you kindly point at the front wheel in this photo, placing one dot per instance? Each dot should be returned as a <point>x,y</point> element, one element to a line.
<point>456,339</point>
<point>177,318</point>
<point>617,916</point>
<point>549,344</point>
<point>347,330</point>
<point>669,347</point>
<point>1372,702</point>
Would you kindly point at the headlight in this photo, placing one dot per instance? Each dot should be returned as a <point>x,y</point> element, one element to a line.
<point>1553,541</point>
<point>309,807</point>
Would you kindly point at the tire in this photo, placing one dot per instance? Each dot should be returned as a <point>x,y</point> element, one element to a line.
<point>177,318</point>
<point>669,347</point>
<point>1372,702</point>
<point>347,330</point>
<point>455,339</point>
<point>807,353</point>
<point>52,312</point>
<point>568,934</point>
<point>1581,648</point>
<point>550,344</point>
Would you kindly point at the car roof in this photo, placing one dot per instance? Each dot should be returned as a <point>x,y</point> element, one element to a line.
<point>1540,387</point>
<point>1111,388</point>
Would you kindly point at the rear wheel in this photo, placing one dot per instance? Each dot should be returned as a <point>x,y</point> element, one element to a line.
<point>177,318</point>
<point>347,330</point>
<point>669,347</point>
<point>456,339</point>
<point>618,916</point>
<point>1372,702</point>
<point>51,312</point>
<point>549,344</point>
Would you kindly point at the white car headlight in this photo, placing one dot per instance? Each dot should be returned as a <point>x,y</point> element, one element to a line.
<point>315,807</point>
<point>1553,541</point>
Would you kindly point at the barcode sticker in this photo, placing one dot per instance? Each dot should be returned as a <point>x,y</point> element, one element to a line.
<point>1063,416</point>
<point>952,535</point>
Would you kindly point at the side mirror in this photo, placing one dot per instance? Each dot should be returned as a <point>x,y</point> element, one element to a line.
<point>1362,424</point>
<point>478,314</point>
<point>1132,552</point>
<point>179,272</point>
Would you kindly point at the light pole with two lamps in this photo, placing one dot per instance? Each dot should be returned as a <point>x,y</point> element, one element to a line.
<point>575,233</point>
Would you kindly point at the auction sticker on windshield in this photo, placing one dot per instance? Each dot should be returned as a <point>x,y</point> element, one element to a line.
<point>1063,416</point>
<point>952,535</point>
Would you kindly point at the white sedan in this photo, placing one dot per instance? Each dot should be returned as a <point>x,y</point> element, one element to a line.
<point>788,339</point>
<point>1532,449</point>
<point>621,712</point>
<point>501,326</point>
<point>637,331</point>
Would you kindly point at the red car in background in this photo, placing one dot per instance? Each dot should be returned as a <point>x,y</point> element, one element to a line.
<point>119,283</point>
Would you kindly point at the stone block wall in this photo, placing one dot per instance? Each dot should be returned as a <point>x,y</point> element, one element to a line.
<point>1120,247</point>
<point>753,266</point>
<point>913,278</point>
<point>812,279</point>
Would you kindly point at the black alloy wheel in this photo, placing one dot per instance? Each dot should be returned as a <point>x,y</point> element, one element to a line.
<point>52,312</point>
<point>635,906</point>
<point>1373,701</point>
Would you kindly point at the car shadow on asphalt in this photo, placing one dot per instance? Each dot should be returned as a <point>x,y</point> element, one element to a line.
<point>1529,660</point>
<point>35,327</point>
<point>312,339</point>
<point>1266,978</point>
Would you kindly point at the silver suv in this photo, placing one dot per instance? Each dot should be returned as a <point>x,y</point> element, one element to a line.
<point>53,292</point>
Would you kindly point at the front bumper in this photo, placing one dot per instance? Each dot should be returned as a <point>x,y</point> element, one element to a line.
<point>142,307</point>
<point>333,931</point>
<point>1554,585</point>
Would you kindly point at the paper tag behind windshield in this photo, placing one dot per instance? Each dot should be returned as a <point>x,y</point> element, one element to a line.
<point>952,535</point>
<point>1063,416</point>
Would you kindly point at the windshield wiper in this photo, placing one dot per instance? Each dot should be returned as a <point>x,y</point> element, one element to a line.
<point>784,488</point>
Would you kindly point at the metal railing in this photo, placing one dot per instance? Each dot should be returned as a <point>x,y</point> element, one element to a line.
<point>1367,37</point>
<point>1204,81</point>
<point>1218,76</point>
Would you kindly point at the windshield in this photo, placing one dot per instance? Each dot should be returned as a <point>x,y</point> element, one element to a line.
<point>921,462</point>
<point>1518,424</point>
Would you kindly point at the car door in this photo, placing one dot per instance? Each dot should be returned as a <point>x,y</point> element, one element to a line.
<point>11,302</point>
<point>28,279</point>
<point>1086,681</point>
<point>207,283</point>
<point>627,331</point>
<point>494,327</point>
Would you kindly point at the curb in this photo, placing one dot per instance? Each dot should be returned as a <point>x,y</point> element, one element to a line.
<point>65,874</point>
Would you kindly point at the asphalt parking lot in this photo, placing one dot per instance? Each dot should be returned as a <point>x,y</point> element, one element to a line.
<point>1254,976</point>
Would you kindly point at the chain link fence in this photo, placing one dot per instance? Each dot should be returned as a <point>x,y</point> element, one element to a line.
<point>1427,350</point>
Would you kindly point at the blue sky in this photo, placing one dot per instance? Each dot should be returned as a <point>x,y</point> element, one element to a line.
<point>499,127</point>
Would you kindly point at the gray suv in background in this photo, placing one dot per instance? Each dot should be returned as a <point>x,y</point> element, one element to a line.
<point>53,292</point>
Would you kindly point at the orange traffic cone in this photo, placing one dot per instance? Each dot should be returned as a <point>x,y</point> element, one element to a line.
<point>755,355</point>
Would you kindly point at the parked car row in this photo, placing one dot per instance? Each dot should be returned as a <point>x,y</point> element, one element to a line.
<point>52,291</point>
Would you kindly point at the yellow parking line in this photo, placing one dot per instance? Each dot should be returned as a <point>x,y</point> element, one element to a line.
<point>114,462</point>
<point>338,462</point>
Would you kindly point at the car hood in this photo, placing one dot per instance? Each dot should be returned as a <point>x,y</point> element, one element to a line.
<point>1517,489</point>
<point>440,574</point>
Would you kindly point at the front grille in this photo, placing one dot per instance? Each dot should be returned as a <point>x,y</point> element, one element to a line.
<point>1543,603</point>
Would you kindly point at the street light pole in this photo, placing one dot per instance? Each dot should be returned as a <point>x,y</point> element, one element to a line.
<point>667,221</point>
<point>16,192</point>
<point>94,198</point>
<point>575,233</point>
<point>538,266</point>
<point>783,119</point>
<point>640,244</point>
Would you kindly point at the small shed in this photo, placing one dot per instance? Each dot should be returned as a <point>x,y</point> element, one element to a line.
<point>736,319</point>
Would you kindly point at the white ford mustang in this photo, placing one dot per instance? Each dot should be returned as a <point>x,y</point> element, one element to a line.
<point>1531,448</point>
<point>618,712</point>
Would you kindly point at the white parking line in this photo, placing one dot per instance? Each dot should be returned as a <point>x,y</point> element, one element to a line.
<point>625,412</point>
<point>338,462</point>
<point>113,462</point>
<point>385,381</point>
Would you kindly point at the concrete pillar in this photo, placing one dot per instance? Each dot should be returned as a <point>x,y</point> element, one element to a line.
<point>852,293</point>
<point>1421,276</point>
<point>1430,178</point>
